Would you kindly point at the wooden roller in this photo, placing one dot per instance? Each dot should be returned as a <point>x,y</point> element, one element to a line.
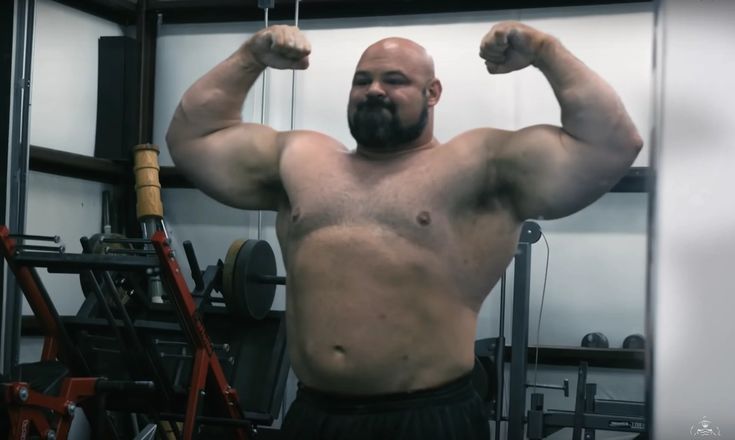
<point>147,185</point>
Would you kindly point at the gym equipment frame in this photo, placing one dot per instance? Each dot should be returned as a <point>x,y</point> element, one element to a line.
<point>590,414</point>
<point>151,356</point>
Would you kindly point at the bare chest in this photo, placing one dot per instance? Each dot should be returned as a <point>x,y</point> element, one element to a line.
<point>418,200</point>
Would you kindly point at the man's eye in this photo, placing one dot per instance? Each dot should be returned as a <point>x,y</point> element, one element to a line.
<point>360,81</point>
<point>395,80</point>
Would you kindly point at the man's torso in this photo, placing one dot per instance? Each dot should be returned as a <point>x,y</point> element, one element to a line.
<point>388,263</point>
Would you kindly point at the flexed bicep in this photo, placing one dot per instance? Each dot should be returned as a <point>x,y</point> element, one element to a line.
<point>550,174</point>
<point>238,166</point>
<point>237,163</point>
<point>554,171</point>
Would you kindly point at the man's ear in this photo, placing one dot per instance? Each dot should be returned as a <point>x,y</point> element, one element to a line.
<point>433,92</point>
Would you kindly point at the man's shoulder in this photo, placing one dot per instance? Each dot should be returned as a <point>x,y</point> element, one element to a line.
<point>309,141</point>
<point>305,149</point>
<point>479,140</point>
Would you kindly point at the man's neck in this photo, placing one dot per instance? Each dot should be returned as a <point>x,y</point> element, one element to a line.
<point>400,150</point>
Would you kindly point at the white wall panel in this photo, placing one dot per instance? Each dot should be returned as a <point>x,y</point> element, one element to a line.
<point>64,81</point>
<point>694,246</point>
<point>71,209</point>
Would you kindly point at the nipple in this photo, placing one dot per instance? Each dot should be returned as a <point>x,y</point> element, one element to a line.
<point>424,218</point>
<point>295,215</point>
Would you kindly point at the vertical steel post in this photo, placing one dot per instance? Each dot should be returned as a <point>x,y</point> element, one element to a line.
<point>519,353</point>
<point>17,149</point>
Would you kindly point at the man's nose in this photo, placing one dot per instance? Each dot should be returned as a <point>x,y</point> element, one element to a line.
<point>375,89</point>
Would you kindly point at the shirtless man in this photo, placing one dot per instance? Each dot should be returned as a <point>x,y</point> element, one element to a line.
<point>391,249</point>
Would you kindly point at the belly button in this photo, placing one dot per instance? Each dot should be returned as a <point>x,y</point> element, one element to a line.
<point>295,215</point>
<point>424,218</point>
<point>339,349</point>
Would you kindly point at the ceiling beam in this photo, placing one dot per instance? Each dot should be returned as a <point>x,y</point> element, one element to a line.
<point>215,11</point>
<point>208,11</point>
<point>118,11</point>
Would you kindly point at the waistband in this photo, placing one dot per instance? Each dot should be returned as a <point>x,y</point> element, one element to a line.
<point>456,391</point>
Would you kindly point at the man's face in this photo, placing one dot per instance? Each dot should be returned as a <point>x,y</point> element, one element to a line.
<point>376,123</point>
<point>388,104</point>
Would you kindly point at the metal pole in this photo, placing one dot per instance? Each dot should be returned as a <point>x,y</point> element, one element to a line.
<point>519,354</point>
<point>7,14</point>
<point>18,168</point>
<point>293,72</point>
<point>147,34</point>
<point>501,330</point>
<point>262,113</point>
<point>500,358</point>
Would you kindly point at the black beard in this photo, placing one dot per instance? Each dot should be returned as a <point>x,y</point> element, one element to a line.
<point>375,125</point>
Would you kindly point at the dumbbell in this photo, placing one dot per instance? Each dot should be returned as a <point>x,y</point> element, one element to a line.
<point>595,340</point>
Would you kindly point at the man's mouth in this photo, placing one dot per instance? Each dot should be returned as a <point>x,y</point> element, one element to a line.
<point>374,105</point>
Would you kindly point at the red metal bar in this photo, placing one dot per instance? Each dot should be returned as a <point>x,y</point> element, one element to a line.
<point>50,348</point>
<point>206,364</point>
<point>29,410</point>
<point>41,309</point>
<point>197,386</point>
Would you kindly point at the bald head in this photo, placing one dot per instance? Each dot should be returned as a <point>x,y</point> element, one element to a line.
<point>402,53</point>
<point>392,96</point>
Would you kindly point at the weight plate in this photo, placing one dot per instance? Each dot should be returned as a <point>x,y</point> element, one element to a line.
<point>245,296</point>
<point>228,272</point>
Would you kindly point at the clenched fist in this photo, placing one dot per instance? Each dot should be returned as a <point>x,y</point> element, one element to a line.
<point>511,46</point>
<point>280,47</point>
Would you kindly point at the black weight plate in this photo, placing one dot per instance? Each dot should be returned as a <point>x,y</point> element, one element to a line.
<point>228,274</point>
<point>248,298</point>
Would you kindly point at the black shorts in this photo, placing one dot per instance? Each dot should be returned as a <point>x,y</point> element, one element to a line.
<point>450,412</point>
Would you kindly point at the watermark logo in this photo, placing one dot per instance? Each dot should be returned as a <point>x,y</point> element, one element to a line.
<point>704,429</point>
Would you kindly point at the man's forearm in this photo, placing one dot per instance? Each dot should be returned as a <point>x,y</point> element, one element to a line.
<point>591,110</point>
<point>215,100</point>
